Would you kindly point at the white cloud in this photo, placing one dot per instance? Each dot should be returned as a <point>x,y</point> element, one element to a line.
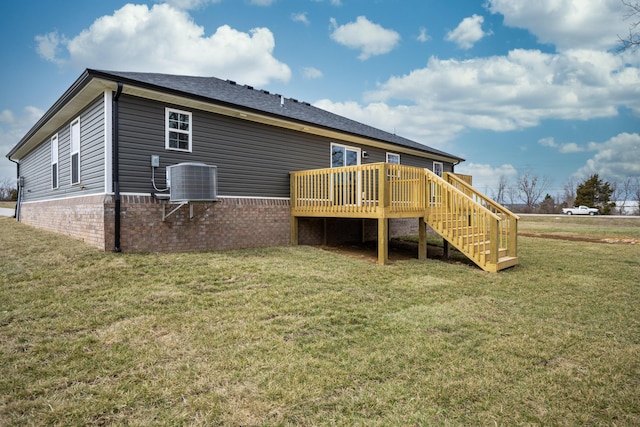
<point>300,17</point>
<point>188,4</point>
<point>128,40</point>
<point>6,116</point>
<point>518,90</point>
<point>331,2</point>
<point>48,46</point>
<point>468,32</point>
<point>371,39</point>
<point>570,147</point>
<point>615,159</point>
<point>435,104</point>
<point>310,73</point>
<point>564,148</point>
<point>487,177</point>
<point>13,127</point>
<point>262,2</point>
<point>567,24</point>
<point>423,36</point>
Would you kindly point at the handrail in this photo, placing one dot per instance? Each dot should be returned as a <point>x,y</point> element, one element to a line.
<point>473,223</point>
<point>467,224</point>
<point>509,220</point>
<point>470,191</point>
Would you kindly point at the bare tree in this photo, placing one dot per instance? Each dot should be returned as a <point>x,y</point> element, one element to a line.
<point>633,13</point>
<point>7,185</point>
<point>500,194</point>
<point>636,195</point>
<point>531,188</point>
<point>569,196</point>
<point>623,194</point>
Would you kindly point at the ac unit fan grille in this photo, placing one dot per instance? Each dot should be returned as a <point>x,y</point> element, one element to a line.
<point>195,182</point>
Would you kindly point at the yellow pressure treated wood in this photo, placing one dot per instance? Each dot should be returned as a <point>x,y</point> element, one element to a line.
<point>476,225</point>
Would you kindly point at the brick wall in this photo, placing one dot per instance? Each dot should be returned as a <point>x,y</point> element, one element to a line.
<point>229,223</point>
<point>78,217</point>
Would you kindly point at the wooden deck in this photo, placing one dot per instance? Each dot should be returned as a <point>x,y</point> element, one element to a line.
<point>480,228</point>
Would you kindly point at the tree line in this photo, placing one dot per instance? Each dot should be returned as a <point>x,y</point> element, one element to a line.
<point>8,190</point>
<point>529,194</point>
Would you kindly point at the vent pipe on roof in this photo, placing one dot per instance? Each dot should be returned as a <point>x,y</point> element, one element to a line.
<point>116,167</point>
<point>281,101</point>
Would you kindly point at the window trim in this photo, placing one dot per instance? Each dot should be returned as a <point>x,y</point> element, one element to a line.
<point>168,130</point>
<point>55,162</point>
<point>441,168</point>
<point>346,147</point>
<point>74,150</point>
<point>392,154</point>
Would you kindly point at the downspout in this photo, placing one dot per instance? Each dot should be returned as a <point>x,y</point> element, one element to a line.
<point>17,211</point>
<point>116,166</point>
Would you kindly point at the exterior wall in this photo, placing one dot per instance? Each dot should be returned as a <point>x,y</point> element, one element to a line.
<point>80,217</point>
<point>253,160</point>
<point>36,166</point>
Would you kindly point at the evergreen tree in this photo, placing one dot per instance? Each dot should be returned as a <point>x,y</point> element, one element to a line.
<point>548,205</point>
<point>593,192</point>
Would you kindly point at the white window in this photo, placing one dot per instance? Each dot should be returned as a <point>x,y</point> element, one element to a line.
<point>393,158</point>
<point>54,161</point>
<point>178,130</point>
<point>341,155</point>
<point>75,151</point>
<point>438,168</point>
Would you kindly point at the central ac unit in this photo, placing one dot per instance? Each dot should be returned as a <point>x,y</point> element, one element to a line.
<point>192,182</point>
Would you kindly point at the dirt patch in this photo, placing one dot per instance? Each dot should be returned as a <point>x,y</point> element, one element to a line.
<point>399,250</point>
<point>580,238</point>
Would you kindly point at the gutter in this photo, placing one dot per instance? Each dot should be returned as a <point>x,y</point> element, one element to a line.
<point>116,166</point>
<point>16,214</point>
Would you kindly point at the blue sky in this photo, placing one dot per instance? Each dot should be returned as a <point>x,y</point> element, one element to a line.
<point>509,85</point>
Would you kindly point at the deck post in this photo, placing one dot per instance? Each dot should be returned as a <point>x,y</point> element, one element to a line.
<point>422,239</point>
<point>324,232</point>
<point>294,230</point>
<point>513,238</point>
<point>446,248</point>
<point>383,240</point>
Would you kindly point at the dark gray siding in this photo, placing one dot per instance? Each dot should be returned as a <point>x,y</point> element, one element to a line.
<point>253,159</point>
<point>36,166</point>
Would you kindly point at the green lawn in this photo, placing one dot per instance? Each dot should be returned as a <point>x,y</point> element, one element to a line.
<point>298,336</point>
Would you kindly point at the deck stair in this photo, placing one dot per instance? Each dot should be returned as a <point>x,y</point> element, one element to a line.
<point>478,227</point>
<point>475,225</point>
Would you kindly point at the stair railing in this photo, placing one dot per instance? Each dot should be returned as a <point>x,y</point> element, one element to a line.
<point>464,222</point>
<point>508,229</point>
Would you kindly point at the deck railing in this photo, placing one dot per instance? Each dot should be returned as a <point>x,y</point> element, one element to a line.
<point>473,223</point>
<point>508,221</point>
<point>372,190</point>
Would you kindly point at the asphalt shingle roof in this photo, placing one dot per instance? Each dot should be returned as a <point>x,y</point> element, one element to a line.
<point>228,92</point>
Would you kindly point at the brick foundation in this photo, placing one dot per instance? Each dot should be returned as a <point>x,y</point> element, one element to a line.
<point>80,217</point>
<point>230,223</point>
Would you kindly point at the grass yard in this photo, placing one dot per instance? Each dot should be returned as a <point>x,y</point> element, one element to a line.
<point>306,337</point>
